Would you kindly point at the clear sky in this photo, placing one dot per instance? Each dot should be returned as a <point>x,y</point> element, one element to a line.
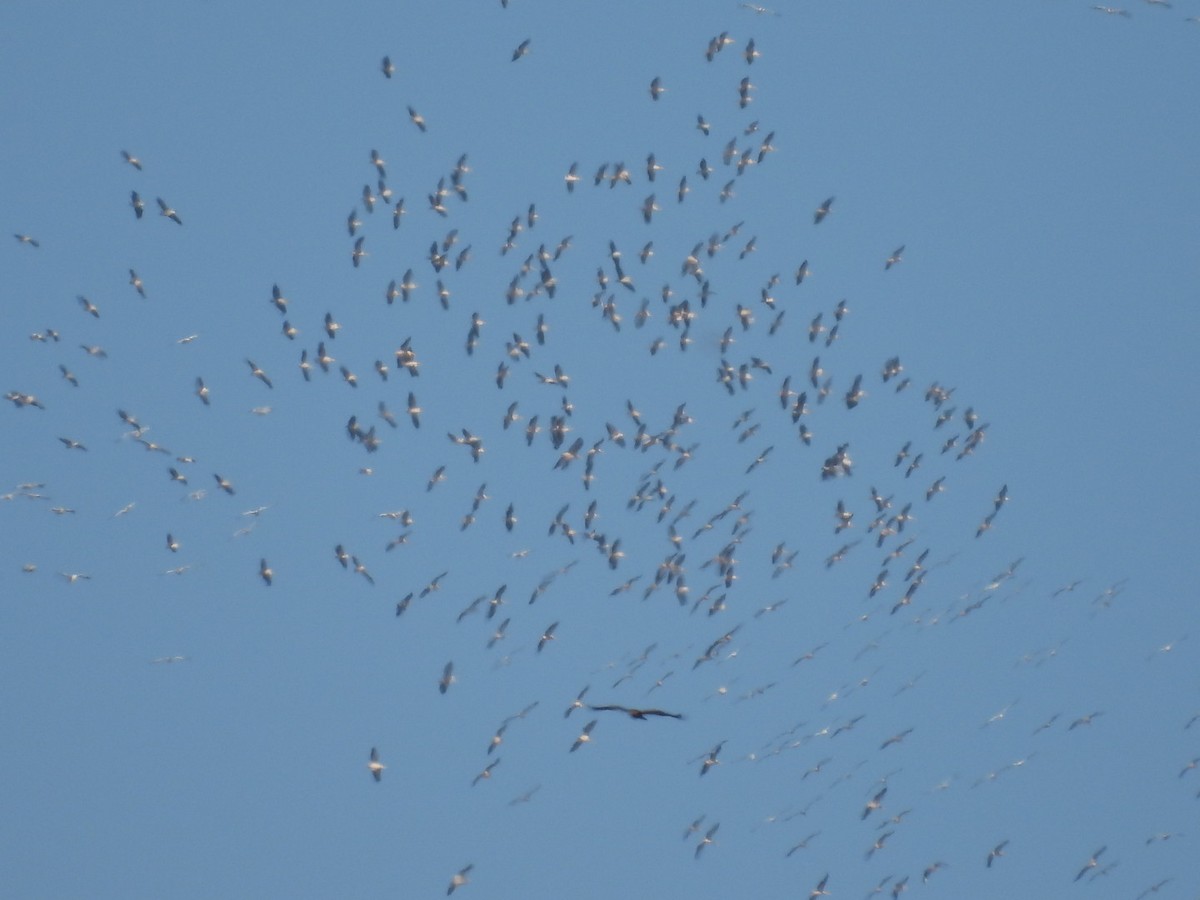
<point>176,726</point>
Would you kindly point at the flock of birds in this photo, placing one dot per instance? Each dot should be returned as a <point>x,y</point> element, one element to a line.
<point>796,389</point>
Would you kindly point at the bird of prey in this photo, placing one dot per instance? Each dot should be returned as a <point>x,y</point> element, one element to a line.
<point>375,766</point>
<point>165,210</point>
<point>635,713</point>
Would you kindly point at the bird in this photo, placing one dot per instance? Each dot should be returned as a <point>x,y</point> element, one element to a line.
<point>895,258</point>
<point>387,67</point>
<point>27,240</point>
<point>268,575</point>
<point>135,200</point>
<point>874,803</point>
<point>996,852</point>
<point>522,50</point>
<point>822,211</point>
<point>635,713</point>
<point>707,839</point>
<point>459,879</point>
<point>259,373</point>
<point>375,766</point>
<point>1092,863</point>
<point>447,678</point>
<point>656,88</point>
<point>584,736</point>
<point>131,159</point>
<point>165,210</point>
<point>710,759</point>
<point>547,637</point>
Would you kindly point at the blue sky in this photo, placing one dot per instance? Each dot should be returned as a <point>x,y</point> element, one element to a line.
<point>1035,161</point>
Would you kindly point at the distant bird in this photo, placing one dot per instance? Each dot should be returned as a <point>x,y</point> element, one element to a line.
<point>547,637</point>
<point>447,678</point>
<point>522,50</point>
<point>259,373</point>
<point>267,574</point>
<point>375,766</point>
<point>585,736</point>
<point>1092,863</point>
<point>387,67</point>
<point>132,160</point>
<point>459,879</point>
<point>136,202</point>
<point>874,803</point>
<point>895,258</point>
<point>634,713</point>
<point>89,307</point>
<point>165,210</point>
<point>707,839</point>
<point>822,211</point>
<point>417,118</point>
<point>656,88</point>
<point>26,239</point>
<point>996,852</point>
<point>711,759</point>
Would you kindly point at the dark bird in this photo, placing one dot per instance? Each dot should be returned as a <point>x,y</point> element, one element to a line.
<point>822,211</point>
<point>634,713</point>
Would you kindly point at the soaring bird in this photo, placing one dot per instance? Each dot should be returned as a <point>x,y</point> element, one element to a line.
<point>459,879</point>
<point>447,678</point>
<point>585,736</point>
<point>634,713</point>
<point>165,210</point>
<point>375,766</point>
<point>822,211</point>
<point>522,50</point>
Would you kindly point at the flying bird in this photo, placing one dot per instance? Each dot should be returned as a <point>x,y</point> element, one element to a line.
<point>165,210</point>
<point>375,766</point>
<point>635,713</point>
